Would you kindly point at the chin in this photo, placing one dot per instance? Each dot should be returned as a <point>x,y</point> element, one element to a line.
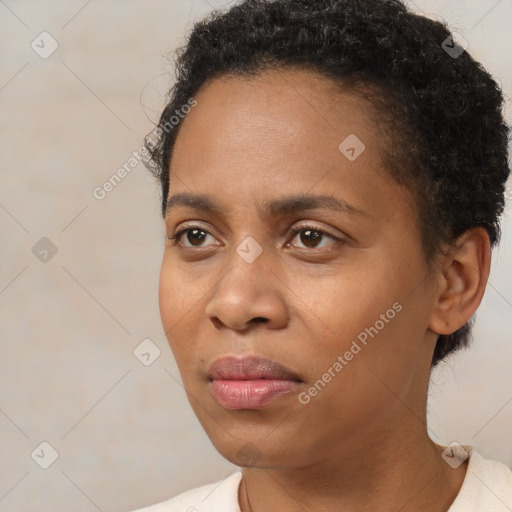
<point>250,447</point>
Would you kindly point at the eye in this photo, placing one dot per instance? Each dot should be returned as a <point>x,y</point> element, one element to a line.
<point>311,235</point>
<point>195,235</point>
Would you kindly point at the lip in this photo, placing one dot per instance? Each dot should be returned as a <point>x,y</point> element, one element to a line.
<point>250,382</point>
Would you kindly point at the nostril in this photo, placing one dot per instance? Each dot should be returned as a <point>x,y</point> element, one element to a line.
<point>260,319</point>
<point>216,322</point>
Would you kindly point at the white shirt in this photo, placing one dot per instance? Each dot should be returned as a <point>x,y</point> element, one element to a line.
<point>487,487</point>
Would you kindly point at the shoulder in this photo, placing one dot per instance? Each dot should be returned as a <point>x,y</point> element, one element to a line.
<point>221,496</point>
<point>487,486</point>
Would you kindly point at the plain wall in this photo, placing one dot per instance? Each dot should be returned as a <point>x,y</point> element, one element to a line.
<point>124,432</point>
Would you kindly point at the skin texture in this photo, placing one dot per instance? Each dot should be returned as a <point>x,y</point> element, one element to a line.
<point>361,443</point>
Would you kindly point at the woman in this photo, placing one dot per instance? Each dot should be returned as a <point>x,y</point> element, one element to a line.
<point>332,174</point>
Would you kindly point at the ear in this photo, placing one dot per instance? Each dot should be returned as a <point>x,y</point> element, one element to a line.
<point>462,281</point>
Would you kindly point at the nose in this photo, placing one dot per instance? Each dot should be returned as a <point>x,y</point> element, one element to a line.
<point>248,294</point>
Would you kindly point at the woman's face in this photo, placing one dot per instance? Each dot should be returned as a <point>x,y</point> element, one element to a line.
<point>344,304</point>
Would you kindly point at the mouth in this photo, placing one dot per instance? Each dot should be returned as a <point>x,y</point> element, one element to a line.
<point>250,382</point>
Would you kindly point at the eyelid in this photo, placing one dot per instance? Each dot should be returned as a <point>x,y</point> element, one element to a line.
<point>336,241</point>
<point>316,227</point>
<point>183,228</point>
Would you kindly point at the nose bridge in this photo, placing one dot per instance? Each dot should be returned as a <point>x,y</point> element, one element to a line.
<point>248,289</point>
<point>248,266</point>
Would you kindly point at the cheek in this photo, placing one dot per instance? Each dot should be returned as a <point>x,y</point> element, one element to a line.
<point>378,298</point>
<point>352,382</point>
<point>167,296</point>
<point>371,353</point>
<point>177,298</point>
<point>178,292</point>
<point>344,304</point>
<point>360,315</point>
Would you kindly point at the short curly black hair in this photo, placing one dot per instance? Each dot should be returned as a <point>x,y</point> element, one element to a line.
<point>441,111</point>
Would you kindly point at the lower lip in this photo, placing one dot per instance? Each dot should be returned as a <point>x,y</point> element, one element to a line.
<point>250,394</point>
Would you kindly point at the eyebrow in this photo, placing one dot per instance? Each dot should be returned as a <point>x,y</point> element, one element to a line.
<point>280,206</point>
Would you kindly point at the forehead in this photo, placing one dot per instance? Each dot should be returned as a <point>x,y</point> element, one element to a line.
<point>279,131</point>
<point>284,105</point>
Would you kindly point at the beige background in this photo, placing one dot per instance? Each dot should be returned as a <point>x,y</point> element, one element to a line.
<point>124,432</point>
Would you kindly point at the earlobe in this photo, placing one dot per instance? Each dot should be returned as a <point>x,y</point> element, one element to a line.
<point>462,281</point>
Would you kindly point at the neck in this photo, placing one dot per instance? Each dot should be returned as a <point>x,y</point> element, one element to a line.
<point>405,472</point>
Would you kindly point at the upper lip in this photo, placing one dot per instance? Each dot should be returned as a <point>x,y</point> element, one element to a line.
<point>249,368</point>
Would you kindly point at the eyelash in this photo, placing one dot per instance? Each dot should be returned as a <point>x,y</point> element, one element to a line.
<point>177,236</point>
